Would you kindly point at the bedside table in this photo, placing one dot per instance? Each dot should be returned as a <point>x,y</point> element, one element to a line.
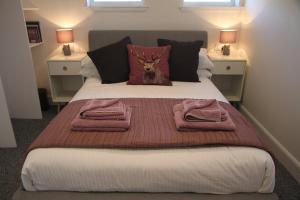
<point>64,76</point>
<point>229,76</point>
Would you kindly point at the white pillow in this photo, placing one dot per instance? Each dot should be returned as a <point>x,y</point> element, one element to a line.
<point>204,73</point>
<point>204,61</point>
<point>89,69</point>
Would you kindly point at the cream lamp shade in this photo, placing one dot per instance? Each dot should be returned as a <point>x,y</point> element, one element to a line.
<point>228,36</point>
<point>64,36</point>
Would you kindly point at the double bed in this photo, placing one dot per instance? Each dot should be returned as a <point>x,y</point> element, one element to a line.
<point>171,173</point>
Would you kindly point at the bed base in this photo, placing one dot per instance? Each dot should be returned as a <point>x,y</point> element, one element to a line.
<point>20,194</point>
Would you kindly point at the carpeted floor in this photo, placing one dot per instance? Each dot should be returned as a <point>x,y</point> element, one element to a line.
<point>287,188</point>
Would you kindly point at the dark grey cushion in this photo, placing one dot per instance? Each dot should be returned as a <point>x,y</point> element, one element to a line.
<point>112,61</point>
<point>184,59</point>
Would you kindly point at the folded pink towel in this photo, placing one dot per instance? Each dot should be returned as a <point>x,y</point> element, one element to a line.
<point>79,124</point>
<point>99,109</point>
<point>182,125</point>
<point>203,110</point>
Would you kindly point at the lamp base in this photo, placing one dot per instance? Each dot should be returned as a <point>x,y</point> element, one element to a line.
<point>67,50</point>
<point>226,50</point>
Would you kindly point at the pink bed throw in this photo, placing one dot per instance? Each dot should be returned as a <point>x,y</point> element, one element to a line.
<point>203,110</point>
<point>79,124</point>
<point>103,109</point>
<point>224,124</point>
<point>151,126</point>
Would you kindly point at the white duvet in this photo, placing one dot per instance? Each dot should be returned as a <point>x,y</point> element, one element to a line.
<point>215,170</point>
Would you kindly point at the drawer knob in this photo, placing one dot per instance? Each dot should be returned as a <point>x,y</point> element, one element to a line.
<point>228,68</point>
<point>65,68</point>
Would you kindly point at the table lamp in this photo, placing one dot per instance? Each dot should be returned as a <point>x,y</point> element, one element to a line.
<point>65,36</point>
<point>227,37</point>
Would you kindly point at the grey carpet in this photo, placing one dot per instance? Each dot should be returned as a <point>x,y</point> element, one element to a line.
<point>287,188</point>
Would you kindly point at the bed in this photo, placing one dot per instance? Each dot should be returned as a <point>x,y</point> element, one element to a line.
<point>185,173</point>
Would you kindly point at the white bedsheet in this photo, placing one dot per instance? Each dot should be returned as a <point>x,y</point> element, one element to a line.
<point>216,170</point>
<point>202,90</point>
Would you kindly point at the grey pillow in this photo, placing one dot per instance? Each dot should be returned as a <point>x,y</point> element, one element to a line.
<point>112,61</point>
<point>184,59</point>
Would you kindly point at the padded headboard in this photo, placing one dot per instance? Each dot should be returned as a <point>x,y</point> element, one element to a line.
<point>100,38</point>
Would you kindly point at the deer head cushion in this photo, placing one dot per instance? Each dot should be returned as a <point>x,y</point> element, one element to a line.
<point>149,65</point>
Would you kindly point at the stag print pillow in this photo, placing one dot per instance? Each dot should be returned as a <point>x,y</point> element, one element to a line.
<point>149,65</point>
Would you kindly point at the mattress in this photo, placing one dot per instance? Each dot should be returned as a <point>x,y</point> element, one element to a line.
<point>214,170</point>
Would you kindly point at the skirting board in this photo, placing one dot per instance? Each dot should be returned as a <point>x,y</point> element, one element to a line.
<point>281,153</point>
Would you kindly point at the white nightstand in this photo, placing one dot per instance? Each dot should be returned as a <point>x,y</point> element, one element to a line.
<point>64,76</point>
<point>229,75</point>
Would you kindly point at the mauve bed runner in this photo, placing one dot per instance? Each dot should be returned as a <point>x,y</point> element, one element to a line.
<point>152,126</point>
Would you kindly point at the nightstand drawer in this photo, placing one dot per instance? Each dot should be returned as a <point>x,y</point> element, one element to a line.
<point>64,68</point>
<point>232,68</point>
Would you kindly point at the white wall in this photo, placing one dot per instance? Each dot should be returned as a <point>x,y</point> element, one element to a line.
<point>16,67</point>
<point>7,138</point>
<point>161,15</point>
<point>270,36</point>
